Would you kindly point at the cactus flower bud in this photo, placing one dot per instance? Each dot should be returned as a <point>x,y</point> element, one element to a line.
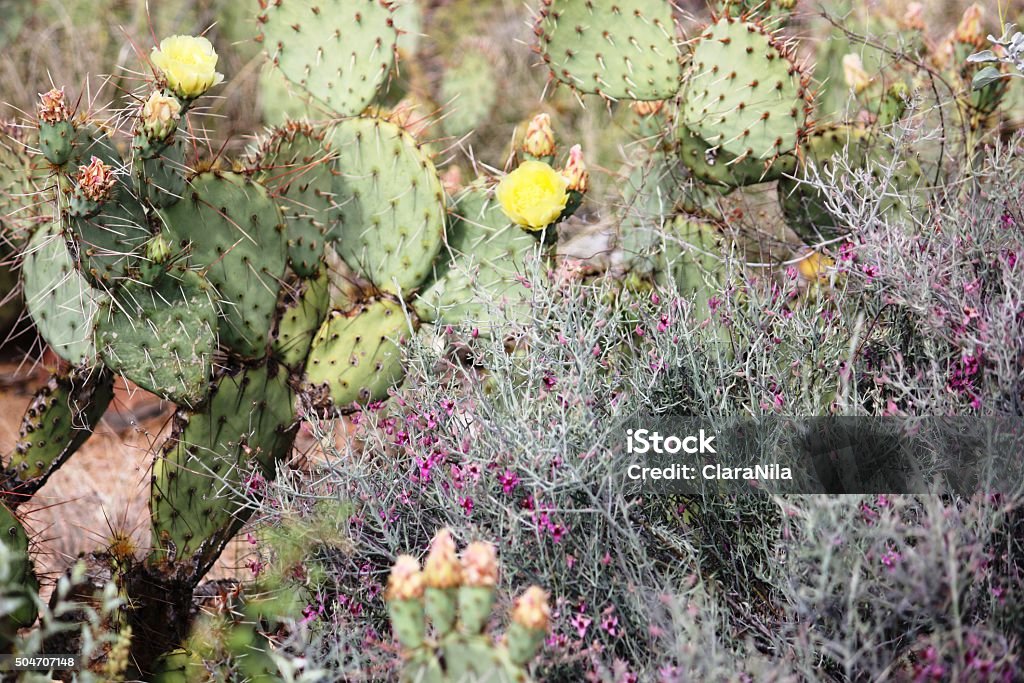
<point>96,180</point>
<point>406,580</point>
<point>442,568</point>
<point>531,609</point>
<point>969,31</point>
<point>648,108</point>
<point>160,115</point>
<point>52,108</point>
<point>853,71</point>
<point>575,171</point>
<point>188,64</point>
<point>480,565</point>
<point>913,18</point>
<point>540,139</point>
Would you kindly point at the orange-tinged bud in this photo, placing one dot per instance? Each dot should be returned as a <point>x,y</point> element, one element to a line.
<point>969,30</point>
<point>540,139</point>
<point>479,565</point>
<point>648,108</point>
<point>52,108</point>
<point>96,180</point>
<point>913,18</point>
<point>575,170</point>
<point>406,580</point>
<point>531,609</point>
<point>442,568</point>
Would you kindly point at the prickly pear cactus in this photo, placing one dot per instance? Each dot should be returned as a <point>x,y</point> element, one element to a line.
<point>162,336</point>
<point>390,204</point>
<point>245,427</point>
<point>356,356</point>
<point>61,302</point>
<point>614,48</point>
<point>62,415</point>
<point>439,616</point>
<point>297,166</point>
<point>302,310</point>
<point>484,267</point>
<point>469,91</point>
<point>234,234</point>
<point>745,93</point>
<point>340,51</point>
<point>18,584</point>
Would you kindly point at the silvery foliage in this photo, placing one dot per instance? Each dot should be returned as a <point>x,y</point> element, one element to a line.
<point>1013,49</point>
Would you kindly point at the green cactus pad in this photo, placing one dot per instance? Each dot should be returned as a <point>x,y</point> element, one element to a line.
<point>297,167</point>
<point>160,179</point>
<point>59,420</point>
<point>469,91</point>
<point>718,167</point>
<point>108,244</point>
<point>340,51</point>
<point>18,584</point>
<point>484,268</point>
<point>390,204</point>
<point>745,94</point>
<point>245,427</point>
<point>355,357</point>
<point>162,337</point>
<point>56,141</point>
<point>62,304</point>
<point>235,236</point>
<point>302,311</point>
<point>615,48</point>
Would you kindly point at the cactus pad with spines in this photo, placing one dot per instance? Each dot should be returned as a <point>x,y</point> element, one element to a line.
<point>715,166</point>
<point>60,418</point>
<point>234,234</point>
<point>615,48</point>
<point>162,337</point>
<point>469,91</point>
<point>109,244</point>
<point>160,178</point>
<point>61,302</point>
<point>297,167</point>
<point>246,426</point>
<point>487,257</point>
<point>355,354</point>
<point>340,51</point>
<point>390,204</point>
<point>19,588</point>
<point>745,94</point>
<point>302,311</point>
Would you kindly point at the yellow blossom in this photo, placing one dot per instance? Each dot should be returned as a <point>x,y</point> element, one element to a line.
<point>534,195</point>
<point>814,267</point>
<point>188,64</point>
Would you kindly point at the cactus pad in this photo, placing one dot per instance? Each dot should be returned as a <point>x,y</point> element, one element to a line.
<point>162,337</point>
<point>297,167</point>
<point>194,501</point>
<point>745,94</point>
<point>62,304</point>
<point>301,313</point>
<point>235,235</point>
<point>486,264</point>
<point>340,51</point>
<point>469,91</point>
<point>20,586</point>
<point>108,245</point>
<point>59,420</point>
<point>390,204</point>
<point>615,48</point>
<point>355,355</point>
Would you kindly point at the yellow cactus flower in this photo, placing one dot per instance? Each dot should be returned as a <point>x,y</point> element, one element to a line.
<point>815,267</point>
<point>188,64</point>
<point>534,195</point>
